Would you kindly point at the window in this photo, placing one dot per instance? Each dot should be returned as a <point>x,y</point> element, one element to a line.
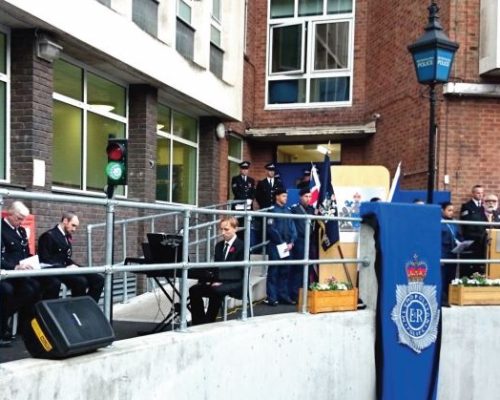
<point>145,15</point>
<point>310,53</point>
<point>176,157</point>
<point>184,38</point>
<point>87,109</point>
<point>216,52</point>
<point>4,85</point>
<point>234,158</point>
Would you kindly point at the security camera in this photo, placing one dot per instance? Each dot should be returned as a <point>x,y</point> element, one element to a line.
<point>376,116</point>
<point>151,164</point>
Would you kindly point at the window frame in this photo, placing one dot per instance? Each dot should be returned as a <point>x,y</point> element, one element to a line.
<point>86,108</point>
<point>301,70</point>
<point>308,53</point>
<point>5,77</point>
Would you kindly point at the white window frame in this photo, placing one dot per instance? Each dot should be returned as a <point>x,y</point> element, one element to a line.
<point>6,79</point>
<point>302,50</point>
<point>309,27</point>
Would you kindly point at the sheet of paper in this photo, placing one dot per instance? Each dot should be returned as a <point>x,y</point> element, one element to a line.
<point>462,246</point>
<point>283,251</point>
<point>33,261</point>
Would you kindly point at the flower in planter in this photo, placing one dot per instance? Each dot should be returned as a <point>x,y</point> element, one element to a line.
<point>331,284</point>
<point>476,280</point>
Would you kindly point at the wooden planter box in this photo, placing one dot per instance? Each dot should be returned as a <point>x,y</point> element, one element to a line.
<point>474,295</point>
<point>330,300</point>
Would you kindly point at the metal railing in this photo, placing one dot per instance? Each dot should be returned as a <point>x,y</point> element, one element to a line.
<point>109,268</point>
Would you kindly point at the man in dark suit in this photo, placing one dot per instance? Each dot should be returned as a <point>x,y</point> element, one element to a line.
<point>55,247</point>
<point>243,186</point>
<point>266,188</point>
<point>473,210</point>
<point>225,281</point>
<point>18,294</point>
<point>305,180</point>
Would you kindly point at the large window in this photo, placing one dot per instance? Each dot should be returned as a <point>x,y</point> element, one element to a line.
<point>4,83</point>
<point>87,109</point>
<point>145,15</point>
<point>235,155</point>
<point>216,52</point>
<point>310,53</point>
<point>184,37</point>
<point>176,157</point>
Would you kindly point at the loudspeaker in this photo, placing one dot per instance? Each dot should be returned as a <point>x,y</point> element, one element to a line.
<point>67,327</point>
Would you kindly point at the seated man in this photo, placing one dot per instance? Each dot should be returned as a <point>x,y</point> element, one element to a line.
<point>18,294</point>
<point>227,280</point>
<point>54,247</point>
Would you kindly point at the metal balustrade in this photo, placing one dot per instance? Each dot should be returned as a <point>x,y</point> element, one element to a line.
<point>186,215</point>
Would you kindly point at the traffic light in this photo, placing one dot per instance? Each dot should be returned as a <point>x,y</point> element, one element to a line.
<point>116,169</point>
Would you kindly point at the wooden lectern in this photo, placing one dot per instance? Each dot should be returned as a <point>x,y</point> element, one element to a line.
<point>493,252</point>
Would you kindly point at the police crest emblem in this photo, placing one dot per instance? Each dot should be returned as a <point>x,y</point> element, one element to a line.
<point>416,312</point>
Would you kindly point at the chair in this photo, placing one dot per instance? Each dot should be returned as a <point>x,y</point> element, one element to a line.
<point>250,298</point>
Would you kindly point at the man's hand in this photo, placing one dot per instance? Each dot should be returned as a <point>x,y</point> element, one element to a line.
<point>23,266</point>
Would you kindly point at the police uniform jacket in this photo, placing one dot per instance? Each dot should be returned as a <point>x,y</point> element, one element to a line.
<point>243,190</point>
<point>55,248</point>
<point>14,245</point>
<point>280,230</point>
<point>471,212</point>
<point>300,224</point>
<point>264,193</point>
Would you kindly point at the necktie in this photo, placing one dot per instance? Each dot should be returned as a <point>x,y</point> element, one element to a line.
<point>271,182</point>
<point>224,251</point>
<point>490,217</point>
<point>68,238</point>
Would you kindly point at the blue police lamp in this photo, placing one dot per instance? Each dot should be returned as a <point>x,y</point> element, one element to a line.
<point>433,55</point>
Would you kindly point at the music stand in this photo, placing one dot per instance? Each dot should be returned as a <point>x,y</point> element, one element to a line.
<point>164,248</point>
<point>460,248</point>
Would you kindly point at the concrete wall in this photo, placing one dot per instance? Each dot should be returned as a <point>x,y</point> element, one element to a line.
<point>290,356</point>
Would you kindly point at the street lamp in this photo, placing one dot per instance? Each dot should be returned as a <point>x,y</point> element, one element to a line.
<point>433,55</point>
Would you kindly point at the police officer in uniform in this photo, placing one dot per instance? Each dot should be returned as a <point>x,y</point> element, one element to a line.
<point>266,188</point>
<point>473,210</point>
<point>305,181</point>
<point>296,271</point>
<point>55,247</point>
<point>243,186</point>
<point>18,294</point>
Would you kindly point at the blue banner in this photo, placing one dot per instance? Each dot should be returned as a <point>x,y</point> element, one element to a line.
<point>408,305</point>
<point>327,205</point>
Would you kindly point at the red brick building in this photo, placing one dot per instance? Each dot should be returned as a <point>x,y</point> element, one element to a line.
<point>386,119</point>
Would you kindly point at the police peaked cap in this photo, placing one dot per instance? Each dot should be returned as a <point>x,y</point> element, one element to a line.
<point>270,166</point>
<point>280,190</point>
<point>304,191</point>
<point>244,164</point>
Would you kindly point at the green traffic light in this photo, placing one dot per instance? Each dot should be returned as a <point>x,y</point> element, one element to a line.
<point>115,171</point>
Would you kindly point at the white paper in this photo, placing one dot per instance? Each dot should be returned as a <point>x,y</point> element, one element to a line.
<point>239,207</point>
<point>283,251</point>
<point>462,246</point>
<point>33,261</point>
<point>38,172</point>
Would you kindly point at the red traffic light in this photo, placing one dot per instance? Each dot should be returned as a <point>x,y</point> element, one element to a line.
<point>115,151</point>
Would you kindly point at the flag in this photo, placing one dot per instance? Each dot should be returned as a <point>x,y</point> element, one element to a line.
<point>314,186</point>
<point>395,183</point>
<point>327,205</point>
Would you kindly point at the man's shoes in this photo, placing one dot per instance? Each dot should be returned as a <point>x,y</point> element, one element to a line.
<point>361,305</point>
<point>288,300</point>
<point>272,303</point>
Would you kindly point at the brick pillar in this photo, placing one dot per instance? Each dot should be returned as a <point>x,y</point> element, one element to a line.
<point>143,102</point>
<point>142,143</point>
<point>213,164</point>
<point>31,110</point>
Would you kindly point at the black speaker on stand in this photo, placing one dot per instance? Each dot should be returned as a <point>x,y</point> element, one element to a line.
<point>67,327</point>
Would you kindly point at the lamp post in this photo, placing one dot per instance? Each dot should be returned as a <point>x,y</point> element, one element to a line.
<point>433,55</point>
